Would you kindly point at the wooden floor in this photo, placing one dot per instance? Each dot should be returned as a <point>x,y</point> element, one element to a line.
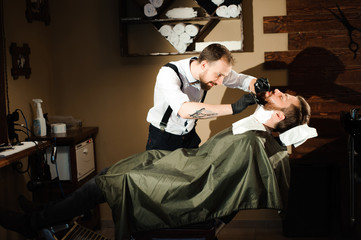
<point>256,230</point>
<point>240,230</point>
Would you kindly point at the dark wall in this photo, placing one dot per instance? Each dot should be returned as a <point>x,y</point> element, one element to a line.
<point>323,69</point>
<point>3,125</point>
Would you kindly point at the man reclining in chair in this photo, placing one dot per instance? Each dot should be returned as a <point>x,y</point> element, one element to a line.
<point>242,167</point>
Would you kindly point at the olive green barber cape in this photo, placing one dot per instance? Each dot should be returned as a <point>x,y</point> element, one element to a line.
<point>162,189</point>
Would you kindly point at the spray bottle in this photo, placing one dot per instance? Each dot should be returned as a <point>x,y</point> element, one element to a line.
<point>39,124</point>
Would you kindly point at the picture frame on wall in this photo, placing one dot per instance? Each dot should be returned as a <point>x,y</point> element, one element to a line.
<point>37,10</point>
<point>20,60</point>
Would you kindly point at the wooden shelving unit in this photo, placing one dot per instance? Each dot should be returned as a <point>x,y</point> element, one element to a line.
<point>206,24</point>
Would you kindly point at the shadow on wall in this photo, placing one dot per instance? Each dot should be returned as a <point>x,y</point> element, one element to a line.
<point>319,167</point>
<point>321,77</point>
<point>330,87</point>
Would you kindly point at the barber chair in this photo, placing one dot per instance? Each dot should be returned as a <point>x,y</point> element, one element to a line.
<point>70,232</point>
<point>352,124</point>
<point>203,231</point>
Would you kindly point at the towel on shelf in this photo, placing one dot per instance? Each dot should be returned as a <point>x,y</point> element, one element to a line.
<point>185,38</point>
<point>231,45</point>
<point>181,47</point>
<point>222,11</point>
<point>184,12</point>
<point>165,30</point>
<point>234,10</point>
<point>192,30</point>
<point>178,35</point>
<point>231,11</point>
<point>217,2</point>
<point>173,38</point>
<point>149,10</point>
<point>179,28</point>
<point>156,3</point>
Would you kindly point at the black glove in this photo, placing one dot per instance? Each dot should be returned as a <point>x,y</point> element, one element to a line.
<point>245,101</point>
<point>262,85</point>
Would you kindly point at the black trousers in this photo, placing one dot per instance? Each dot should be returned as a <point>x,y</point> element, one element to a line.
<point>163,140</point>
<point>79,202</point>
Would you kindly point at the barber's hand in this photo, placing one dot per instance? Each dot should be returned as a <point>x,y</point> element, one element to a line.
<point>262,85</point>
<point>245,101</point>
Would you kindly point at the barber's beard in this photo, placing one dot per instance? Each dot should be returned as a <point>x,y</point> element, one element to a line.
<point>204,85</point>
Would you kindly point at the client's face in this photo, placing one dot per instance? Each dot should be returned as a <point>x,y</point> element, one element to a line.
<point>276,100</point>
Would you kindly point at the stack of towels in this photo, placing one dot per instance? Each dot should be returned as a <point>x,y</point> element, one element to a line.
<point>179,35</point>
<point>229,9</point>
<point>150,9</point>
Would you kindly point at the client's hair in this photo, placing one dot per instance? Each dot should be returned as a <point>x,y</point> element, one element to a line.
<point>214,52</point>
<point>294,115</point>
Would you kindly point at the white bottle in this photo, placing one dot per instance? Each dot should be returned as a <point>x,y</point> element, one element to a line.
<point>39,124</point>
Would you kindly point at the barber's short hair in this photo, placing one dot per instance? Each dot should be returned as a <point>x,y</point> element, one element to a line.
<point>214,52</point>
<point>295,115</point>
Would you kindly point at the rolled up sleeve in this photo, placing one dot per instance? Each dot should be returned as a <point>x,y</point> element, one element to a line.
<point>238,80</point>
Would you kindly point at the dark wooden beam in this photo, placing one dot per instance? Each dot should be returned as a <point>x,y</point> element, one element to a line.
<point>329,39</point>
<point>308,23</point>
<point>313,7</point>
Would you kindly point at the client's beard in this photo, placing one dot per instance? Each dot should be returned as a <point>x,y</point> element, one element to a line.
<point>262,100</point>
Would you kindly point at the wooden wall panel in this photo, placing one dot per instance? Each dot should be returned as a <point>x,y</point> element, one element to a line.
<point>328,39</point>
<point>308,23</point>
<point>320,6</point>
<point>283,58</point>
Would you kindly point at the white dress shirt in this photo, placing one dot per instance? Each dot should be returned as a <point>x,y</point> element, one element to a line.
<point>167,92</point>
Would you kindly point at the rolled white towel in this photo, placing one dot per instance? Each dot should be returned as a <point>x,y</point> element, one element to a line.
<point>165,30</point>
<point>173,38</point>
<point>234,10</point>
<point>185,38</point>
<point>185,12</point>
<point>231,45</point>
<point>156,3</point>
<point>217,2</point>
<point>181,47</point>
<point>149,10</point>
<point>179,28</point>
<point>222,11</point>
<point>192,30</point>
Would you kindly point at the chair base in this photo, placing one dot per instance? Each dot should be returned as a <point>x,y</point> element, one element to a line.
<point>206,231</point>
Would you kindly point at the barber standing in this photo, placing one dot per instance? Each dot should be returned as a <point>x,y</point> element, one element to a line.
<point>179,92</point>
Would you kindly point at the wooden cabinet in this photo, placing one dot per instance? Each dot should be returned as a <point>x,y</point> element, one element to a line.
<point>70,140</point>
<point>76,170</point>
<point>140,35</point>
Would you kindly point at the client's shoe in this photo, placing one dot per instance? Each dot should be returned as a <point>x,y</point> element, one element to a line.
<point>16,222</point>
